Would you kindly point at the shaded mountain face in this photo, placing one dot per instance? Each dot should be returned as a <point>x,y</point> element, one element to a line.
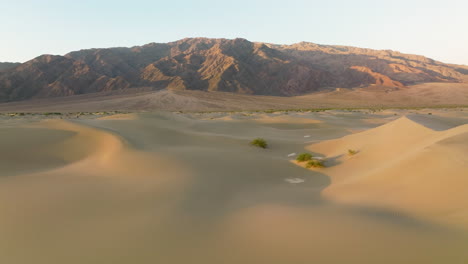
<point>8,65</point>
<point>237,66</point>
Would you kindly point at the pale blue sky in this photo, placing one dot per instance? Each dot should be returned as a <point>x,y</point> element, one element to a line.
<point>437,29</point>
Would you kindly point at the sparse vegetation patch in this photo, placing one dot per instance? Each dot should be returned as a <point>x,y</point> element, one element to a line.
<point>315,164</point>
<point>52,113</point>
<point>304,157</point>
<point>259,142</point>
<point>311,161</point>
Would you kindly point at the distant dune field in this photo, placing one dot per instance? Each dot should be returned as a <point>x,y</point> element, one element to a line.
<point>161,187</point>
<point>144,99</point>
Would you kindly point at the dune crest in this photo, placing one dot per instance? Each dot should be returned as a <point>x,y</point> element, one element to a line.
<point>57,145</point>
<point>97,145</point>
<point>402,165</point>
<point>97,153</point>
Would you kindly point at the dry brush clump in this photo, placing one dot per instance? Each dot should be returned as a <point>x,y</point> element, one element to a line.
<point>315,164</point>
<point>259,142</point>
<point>311,161</point>
<point>304,157</point>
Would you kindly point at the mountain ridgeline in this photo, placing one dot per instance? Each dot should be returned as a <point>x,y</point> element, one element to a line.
<point>237,66</point>
<point>8,65</point>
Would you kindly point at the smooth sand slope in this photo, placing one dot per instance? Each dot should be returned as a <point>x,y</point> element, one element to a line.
<point>402,165</point>
<point>188,188</point>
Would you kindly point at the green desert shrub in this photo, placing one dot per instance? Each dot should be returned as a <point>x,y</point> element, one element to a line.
<point>315,164</point>
<point>352,152</point>
<point>52,113</point>
<point>304,157</point>
<point>259,142</point>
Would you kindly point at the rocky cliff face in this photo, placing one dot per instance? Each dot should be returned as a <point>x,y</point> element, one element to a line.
<point>235,65</point>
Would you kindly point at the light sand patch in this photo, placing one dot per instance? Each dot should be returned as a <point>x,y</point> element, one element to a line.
<point>294,180</point>
<point>268,119</point>
<point>225,118</point>
<point>285,119</point>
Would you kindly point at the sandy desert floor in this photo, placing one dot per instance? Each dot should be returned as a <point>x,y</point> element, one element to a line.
<point>188,188</point>
<point>145,99</point>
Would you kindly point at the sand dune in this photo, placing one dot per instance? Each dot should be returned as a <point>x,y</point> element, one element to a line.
<point>285,119</point>
<point>272,120</point>
<point>402,165</point>
<point>56,143</point>
<point>101,146</point>
<point>188,188</point>
<point>119,117</point>
<point>97,152</point>
<point>26,149</point>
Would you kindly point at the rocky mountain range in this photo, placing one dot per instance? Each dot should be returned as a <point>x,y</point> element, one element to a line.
<point>237,65</point>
